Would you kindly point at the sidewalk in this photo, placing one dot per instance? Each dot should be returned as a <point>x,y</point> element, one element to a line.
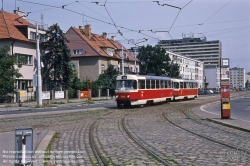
<point>57,104</point>
<point>7,140</point>
<point>204,114</point>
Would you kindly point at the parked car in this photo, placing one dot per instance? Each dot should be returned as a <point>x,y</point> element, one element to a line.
<point>216,91</point>
<point>201,92</point>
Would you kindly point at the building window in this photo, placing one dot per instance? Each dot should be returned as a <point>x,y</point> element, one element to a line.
<point>28,58</point>
<point>126,69</point>
<point>124,55</point>
<point>23,84</point>
<point>78,52</point>
<point>103,68</point>
<point>42,38</point>
<point>33,35</point>
<point>110,53</point>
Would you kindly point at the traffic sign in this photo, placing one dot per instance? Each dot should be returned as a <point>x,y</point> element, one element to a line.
<point>23,146</point>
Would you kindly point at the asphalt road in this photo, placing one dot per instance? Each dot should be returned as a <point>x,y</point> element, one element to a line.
<point>240,108</point>
<point>35,110</point>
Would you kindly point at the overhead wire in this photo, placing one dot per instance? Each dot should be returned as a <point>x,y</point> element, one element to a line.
<point>217,11</point>
<point>237,48</point>
<point>41,10</point>
<point>89,17</point>
<point>126,1</point>
<point>92,10</point>
<point>120,33</point>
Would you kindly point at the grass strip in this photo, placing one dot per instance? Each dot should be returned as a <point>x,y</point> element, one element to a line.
<point>48,149</point>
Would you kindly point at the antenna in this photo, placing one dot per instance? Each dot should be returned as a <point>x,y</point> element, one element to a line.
<point>42,23</point>
<point>82,19</point>
<point>2,4</point>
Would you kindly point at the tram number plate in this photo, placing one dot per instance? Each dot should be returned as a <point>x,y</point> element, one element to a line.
<point>124,77</point>
<point>122,97</point>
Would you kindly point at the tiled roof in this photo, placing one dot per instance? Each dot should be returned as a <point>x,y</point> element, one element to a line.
<point>97,42</point>
<point>120,46</point>
<point>8,23</point>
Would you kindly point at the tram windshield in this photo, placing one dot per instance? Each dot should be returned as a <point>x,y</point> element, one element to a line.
<point>126,84</point>
<point>176,85</point>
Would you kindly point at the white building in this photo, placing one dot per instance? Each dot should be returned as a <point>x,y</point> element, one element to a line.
<point>189,68</point>
<point>20,35</point>
<point>237,77</point>
<point>212,77</point>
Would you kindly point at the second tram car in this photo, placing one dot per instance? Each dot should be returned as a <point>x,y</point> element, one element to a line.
<point>142,90</point>
<point>185,89</point>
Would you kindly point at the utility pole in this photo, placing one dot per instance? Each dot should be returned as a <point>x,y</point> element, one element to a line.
<point>2,4</point>
<point>122,63</point>
<point>39,79</point>
<point>135,59</point>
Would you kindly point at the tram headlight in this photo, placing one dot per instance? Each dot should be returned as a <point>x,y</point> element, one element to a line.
<point>116,96</point>
<point>128,96</point>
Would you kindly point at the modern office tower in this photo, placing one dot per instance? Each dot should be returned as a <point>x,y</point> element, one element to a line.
<point>200,49</point>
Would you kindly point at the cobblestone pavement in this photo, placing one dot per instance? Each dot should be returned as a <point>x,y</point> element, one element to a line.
<point>146,124</point>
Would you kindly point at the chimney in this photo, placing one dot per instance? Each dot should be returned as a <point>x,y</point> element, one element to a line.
<point>87,31</point>
<point>19,13</point>
<point>104,34</point>
<point>113,38</point>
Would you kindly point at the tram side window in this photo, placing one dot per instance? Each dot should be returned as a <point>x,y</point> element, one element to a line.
<point>141,84</point>
<point>181,85</point>
<point>185,84</point>
<point>162,84</point>
<point>148,84</point>
<point>168,84</point>
<point>165,84</point>
<point>152,84</point>
<point>157,84</point>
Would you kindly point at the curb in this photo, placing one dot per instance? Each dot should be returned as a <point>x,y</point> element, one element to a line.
<point>224,123</point>
<point>40,150</point>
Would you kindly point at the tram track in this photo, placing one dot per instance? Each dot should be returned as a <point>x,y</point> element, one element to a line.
<point>216,141</point>
<point>196,119</point>
<point>93,144</point>
<point>142,146</point>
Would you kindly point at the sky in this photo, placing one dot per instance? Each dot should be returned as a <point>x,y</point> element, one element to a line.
<point>131,21</point>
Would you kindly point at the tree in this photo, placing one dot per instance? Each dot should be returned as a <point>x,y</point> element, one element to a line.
<point>247,84</point>
<point>56,60</point>
<point>107,80</point>
<point>153,60</point>
<point>9,73</point>
<point>174,70</point>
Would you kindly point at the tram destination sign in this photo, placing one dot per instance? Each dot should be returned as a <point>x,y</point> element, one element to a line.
<point>124,77</point>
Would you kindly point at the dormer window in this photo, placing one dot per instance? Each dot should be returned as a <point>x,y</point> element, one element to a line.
<point>124,55</point>
<point>78,51</point>
<point>33,35</point>
<point>110,53</point>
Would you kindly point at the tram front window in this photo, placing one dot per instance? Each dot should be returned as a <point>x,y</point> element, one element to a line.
<point>176,85</point>
<point>126,84</point>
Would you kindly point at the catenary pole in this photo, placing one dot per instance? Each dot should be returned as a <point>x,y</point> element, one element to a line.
<point>122,62</point>
<point>39,79</point>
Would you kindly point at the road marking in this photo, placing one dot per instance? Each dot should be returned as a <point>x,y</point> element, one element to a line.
<point>219,114</point>
<point>207,111</point>
<point>248,108</point>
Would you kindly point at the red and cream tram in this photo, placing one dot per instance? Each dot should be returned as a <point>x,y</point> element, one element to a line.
<point>142,89</point>
<point>185,89</point>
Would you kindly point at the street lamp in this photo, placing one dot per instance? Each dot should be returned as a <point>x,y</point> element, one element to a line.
<point>132,41</point>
